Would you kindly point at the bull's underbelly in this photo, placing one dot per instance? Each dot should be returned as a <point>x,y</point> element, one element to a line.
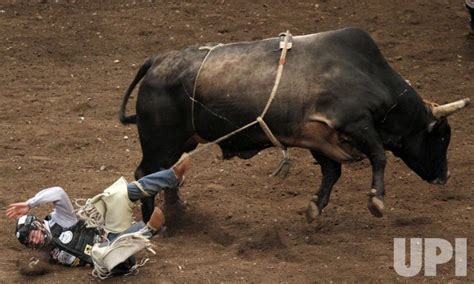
<point>320,137</point>
<point>313,135</point>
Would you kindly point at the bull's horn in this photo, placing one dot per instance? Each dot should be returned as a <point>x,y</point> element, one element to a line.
<point>448,109</point>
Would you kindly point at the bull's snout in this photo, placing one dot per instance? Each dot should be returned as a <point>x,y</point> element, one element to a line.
<point>441,180</point>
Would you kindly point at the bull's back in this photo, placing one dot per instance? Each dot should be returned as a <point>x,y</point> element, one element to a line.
<point>237,79</point>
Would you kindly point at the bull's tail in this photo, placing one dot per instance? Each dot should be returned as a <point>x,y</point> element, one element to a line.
<point>140,74</point>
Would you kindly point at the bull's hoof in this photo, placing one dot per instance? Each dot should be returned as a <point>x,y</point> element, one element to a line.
<point>376,205</point>
<point>313,211</point>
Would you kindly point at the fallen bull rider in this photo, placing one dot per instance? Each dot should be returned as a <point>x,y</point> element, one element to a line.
<point>102,232</point>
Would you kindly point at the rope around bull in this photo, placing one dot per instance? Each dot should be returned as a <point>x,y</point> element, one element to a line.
<point>259,119</point>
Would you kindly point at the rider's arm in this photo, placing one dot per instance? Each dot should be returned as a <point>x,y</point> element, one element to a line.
<point>63,213</point>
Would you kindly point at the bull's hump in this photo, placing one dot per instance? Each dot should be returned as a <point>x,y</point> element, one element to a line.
<point>301,38</point>
<point>262,54</point>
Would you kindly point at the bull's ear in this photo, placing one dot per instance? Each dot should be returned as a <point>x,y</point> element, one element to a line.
<point>432,125</point>
<point>436,123</point>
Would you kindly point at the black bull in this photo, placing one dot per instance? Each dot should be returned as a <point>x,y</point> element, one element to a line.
<point>338,97</point>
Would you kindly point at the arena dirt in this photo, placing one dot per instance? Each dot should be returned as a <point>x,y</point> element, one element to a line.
<point>65,65</point>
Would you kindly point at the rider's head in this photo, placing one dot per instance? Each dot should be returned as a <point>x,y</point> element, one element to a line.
<point>31,232</point>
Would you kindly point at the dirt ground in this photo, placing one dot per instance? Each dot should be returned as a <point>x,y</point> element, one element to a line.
<point>65,65</point>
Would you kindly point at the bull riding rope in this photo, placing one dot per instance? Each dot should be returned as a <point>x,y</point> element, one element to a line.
<point>286,45</point>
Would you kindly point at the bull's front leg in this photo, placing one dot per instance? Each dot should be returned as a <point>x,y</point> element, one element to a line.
<point>367,140</point>
<point>331,171</point>
<point>377,193</point>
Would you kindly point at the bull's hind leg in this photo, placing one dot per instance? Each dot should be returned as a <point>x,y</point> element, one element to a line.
<point>148,203</point>
<point>173,205</point>
<point>331,171</point>
<point>162,147</point>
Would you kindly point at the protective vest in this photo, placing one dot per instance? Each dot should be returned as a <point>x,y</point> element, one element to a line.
<point>73,246</point>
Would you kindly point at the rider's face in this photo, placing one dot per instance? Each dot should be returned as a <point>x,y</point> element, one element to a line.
<point>36,238</point>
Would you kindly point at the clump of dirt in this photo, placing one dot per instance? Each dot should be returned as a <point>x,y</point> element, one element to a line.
<point>33,267</point>
<point>407,221</point>
<point>268,241</point>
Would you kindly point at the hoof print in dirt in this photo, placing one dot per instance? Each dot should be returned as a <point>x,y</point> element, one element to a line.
<point>269,241</point>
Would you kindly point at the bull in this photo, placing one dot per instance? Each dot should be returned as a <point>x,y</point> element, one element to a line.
<point>338,97</point>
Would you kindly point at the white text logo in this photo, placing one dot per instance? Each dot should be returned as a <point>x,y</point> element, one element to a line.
<point>435,251</point>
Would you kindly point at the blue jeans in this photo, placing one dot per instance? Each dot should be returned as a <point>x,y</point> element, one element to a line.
<point>133,228</point>
<point>152,184</point>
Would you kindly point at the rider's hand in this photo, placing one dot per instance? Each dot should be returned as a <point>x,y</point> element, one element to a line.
<point>17,209</point>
